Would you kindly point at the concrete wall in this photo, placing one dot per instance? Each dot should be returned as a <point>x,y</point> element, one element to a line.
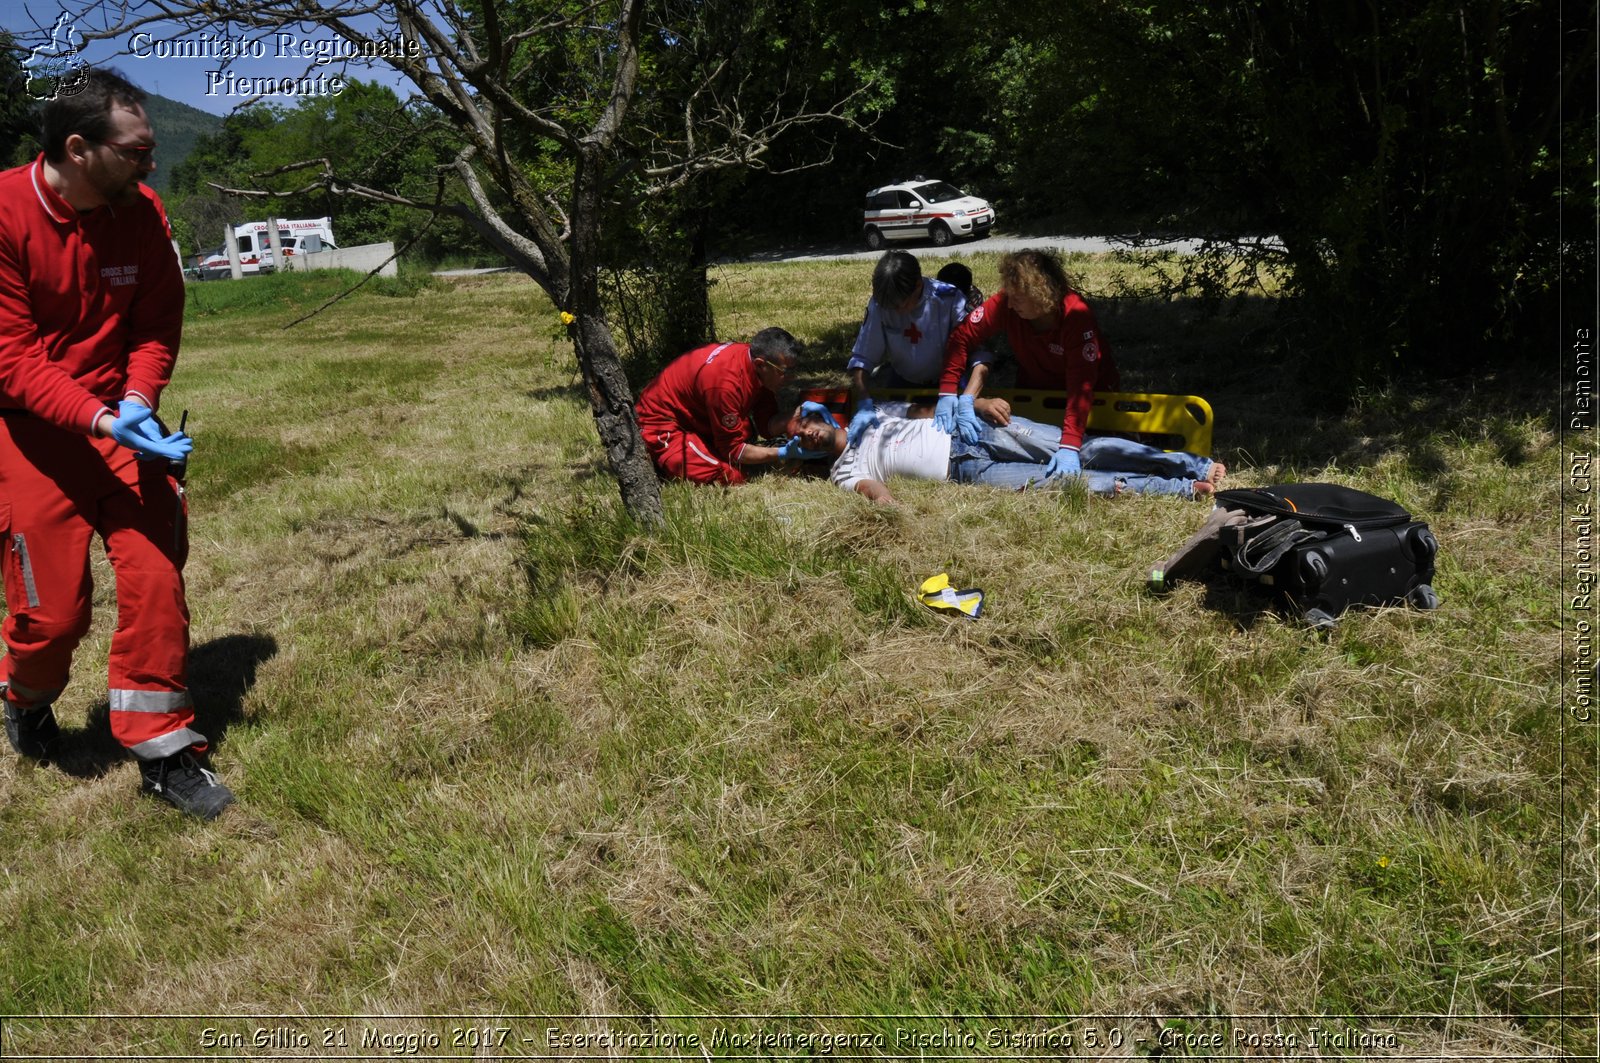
<point>363,259</point>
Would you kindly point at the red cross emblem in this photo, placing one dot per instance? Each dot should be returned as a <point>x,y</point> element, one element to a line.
<point>913,333</point>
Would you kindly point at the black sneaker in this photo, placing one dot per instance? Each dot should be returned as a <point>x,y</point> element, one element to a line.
<point>184,782</point>
<point>33,734</point>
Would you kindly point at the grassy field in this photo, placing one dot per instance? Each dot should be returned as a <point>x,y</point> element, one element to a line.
<point>500,754</point>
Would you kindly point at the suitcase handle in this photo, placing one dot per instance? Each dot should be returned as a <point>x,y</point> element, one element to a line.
<point>1259,554</point>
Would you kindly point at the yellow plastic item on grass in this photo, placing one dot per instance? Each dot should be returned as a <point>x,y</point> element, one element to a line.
<point>938,595</point>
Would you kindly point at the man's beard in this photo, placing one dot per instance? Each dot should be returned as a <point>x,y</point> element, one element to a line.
<point>123,194</point>
<point>118,193</point>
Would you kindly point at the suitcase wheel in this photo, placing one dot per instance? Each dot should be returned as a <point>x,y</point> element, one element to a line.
<point>1423,546</point>
<point>1318,619</point>
<point>1313,569</point>
<point>1422,596</point>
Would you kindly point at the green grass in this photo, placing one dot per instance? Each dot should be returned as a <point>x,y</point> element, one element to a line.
<point>500,752</point>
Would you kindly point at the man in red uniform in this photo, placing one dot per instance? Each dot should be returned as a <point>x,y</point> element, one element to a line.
<point>701,416</point>
<point>91,311</point>
<point>1057,342</point>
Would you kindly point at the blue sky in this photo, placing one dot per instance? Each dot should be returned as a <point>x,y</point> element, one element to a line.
<point>200,80</point>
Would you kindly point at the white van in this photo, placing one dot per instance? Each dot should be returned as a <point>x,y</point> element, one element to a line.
<point>298,236</point>
<point>921,209</point>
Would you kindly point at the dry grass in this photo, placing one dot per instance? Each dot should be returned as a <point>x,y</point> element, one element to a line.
<point>500,754</point>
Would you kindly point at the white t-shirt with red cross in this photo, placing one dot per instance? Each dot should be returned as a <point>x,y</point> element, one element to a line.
<point>913,343</point>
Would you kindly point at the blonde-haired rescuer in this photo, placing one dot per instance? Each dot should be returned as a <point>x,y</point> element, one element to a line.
<point>91,311</point>
<point>1057,342</point>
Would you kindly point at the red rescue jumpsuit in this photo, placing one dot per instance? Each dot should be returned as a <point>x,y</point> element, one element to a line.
<point>1073,356</point>
<point>91,311</point>
<point>698,415</point>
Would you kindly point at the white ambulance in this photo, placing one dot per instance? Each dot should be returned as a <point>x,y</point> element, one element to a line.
<point>923,209</point>
<point>298,236</point>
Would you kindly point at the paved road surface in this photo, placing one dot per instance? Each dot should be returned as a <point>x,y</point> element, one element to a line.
<point>998,243</point>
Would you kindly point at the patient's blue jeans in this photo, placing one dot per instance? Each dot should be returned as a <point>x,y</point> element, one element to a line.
<point>1015,456</point>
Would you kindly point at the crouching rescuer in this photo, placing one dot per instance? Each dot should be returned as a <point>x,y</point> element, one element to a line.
<point>91,311</point>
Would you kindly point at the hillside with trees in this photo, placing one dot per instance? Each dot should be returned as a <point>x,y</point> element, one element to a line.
<point>179,128</point>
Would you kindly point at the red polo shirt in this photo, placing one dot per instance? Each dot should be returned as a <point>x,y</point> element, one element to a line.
<point>91,304</point>
<point>1072,357</point>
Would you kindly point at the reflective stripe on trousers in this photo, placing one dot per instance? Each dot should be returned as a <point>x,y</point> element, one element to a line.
<point>58,491</point>
<point>154,723</point>
<point>19,543</point>
<point>27,697</point>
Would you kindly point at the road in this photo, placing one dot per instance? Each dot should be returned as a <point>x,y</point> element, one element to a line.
<point>998,243</point>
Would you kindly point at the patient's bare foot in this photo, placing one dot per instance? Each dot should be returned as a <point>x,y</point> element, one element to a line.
<point>1213,479</point>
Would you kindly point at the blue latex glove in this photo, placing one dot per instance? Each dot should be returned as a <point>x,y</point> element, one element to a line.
<point>809,408</point>
<point>1065,463</point>
<point>944,414</point>
<point>135,430</point>
<point>866,416</point>
<point>967,422</point>
<point>793,449</point>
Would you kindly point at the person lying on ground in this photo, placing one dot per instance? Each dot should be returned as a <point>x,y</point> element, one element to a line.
<point>906,442</point>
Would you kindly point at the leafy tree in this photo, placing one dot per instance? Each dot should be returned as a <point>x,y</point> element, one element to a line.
<point>1402,154</point>
<point>19,123</point>
<point>198,211</point>
<point>1409,157</point>
<point>538,102</point>
<point>1405,155</point>
<point>378,140</point>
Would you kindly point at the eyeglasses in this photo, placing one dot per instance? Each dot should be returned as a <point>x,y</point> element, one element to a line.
<point>138,154</point>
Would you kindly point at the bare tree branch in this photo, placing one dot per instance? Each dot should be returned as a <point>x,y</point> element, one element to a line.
<point>605,130</point>
<point>508,83</point>
<point>373,272</point>
<point>741,146</point>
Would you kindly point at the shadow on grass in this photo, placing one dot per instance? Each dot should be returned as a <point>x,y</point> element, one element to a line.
<point>1224,595</point>
<point>573,391</point>
<point>221,673</point>
<point>1282,404</point>
<point>832,346</point>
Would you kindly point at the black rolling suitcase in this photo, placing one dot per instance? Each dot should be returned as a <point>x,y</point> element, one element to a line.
<point>1322,547</point>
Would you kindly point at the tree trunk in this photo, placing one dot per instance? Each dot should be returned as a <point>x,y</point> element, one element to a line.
<point>612,402</point>
<point>685,320</point>
<point>610,397</point>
